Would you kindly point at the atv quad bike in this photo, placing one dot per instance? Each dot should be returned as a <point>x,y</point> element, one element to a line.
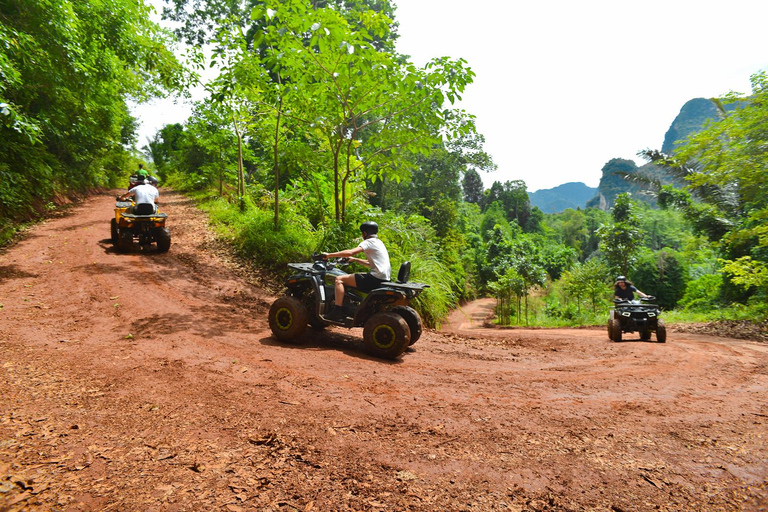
<point>389,324</point>
<point>139,222</point>
<point>636,316</point>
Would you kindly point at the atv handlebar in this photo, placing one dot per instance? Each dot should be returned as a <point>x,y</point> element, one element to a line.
<point>646,298</point>
<point>323,256</point>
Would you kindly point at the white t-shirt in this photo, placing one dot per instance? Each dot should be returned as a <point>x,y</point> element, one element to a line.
<point>378,256</point>
<point>145,194</point>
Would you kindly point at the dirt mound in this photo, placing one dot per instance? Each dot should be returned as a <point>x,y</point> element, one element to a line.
<point>149,381</point>
<point>736,329</point>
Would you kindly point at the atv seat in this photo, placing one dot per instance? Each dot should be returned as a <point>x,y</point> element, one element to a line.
<point>144,209</point>
<point>404,273</point>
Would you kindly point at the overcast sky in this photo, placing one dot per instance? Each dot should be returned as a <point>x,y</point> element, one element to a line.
<point>562,86</point>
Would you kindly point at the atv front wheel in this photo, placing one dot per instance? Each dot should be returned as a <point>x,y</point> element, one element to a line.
<point>114,232</point>
<point>616,329</point>
<point>661,332</point>
<point>288,319</point>
<point>386,335</point>
<point>412,318</point>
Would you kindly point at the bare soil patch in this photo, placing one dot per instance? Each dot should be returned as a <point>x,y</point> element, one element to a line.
<point>148,381</point>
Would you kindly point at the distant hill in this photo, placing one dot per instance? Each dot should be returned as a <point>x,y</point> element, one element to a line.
<point>691,119</point>
<point>693,116</point>
<point>569,195</point>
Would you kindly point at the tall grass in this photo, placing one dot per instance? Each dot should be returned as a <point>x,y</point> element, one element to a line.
<point>253,233</point>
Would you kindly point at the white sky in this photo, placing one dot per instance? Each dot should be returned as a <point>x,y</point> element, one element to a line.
<point>562,86</point>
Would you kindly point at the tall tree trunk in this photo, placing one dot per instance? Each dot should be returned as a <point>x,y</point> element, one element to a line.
<point>275,167</point>
<point>240,173</point>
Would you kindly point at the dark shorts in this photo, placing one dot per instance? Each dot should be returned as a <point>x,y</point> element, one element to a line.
<point>367,282</point>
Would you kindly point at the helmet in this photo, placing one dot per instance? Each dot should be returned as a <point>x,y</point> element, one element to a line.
<point>369,228</point>
<point>621,278</point>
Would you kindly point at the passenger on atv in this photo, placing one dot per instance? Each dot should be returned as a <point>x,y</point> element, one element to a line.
<point>140,176</point>
<point>377,260</point>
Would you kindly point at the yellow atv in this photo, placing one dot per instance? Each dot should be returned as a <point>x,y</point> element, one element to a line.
<point>140,222</point>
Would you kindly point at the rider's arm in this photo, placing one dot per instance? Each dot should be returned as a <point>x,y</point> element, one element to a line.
<point>363,262</point>
<point>344,254</point>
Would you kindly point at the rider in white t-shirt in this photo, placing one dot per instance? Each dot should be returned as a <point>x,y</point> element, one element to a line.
<point>143,194</point>
<point>377,259</point>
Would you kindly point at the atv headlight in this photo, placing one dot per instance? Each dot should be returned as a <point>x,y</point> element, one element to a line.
<point>651,314</point>
<point>625,313</point>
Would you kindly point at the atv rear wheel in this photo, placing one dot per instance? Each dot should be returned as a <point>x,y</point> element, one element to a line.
<point>163,238</point>
<point>288,319</point>
<point>412,318</point>
<point>661,332</point>
<point>113,232</point>
<point>616,329</point>
<point>386,335</point>
<point>125,241</point>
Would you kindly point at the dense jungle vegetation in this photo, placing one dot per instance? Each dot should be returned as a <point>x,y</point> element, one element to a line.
<point>315,124</point>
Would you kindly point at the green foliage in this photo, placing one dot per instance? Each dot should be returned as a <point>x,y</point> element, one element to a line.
<point>702,293</point>
<point>413,239</point>
<point>67,68</point>
<point>512,197</point>
<point>254,235</point>
<point>621,240</point>
<point>662,274</point>
<point>587,282</point>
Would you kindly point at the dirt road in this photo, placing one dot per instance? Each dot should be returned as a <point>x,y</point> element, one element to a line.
<point>151,382</point>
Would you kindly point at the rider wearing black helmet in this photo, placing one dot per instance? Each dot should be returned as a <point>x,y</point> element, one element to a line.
<point>377,259</point>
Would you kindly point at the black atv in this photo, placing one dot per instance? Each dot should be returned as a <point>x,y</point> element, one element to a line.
<point>389,324</point>
<point>139,222</point>
<point>636,316</point>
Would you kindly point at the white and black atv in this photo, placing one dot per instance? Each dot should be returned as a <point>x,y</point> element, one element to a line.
<point>389,324</point>
<point>636,316</point>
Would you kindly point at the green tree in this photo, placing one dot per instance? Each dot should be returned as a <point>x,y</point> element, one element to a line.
<point>68,69</point>
<point>662,274</point>
<point>588,281</point>
<point>621,240</point>
<point>472,185</point>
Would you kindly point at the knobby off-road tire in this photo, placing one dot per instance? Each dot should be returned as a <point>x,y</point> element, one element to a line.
<point>610,329</point>
<point>616,329</point>
<point>412,318</point>
<point>288,319</point>
<point>645,335</point>
<point>163,239</point>
<point>113,232</point>
<point>125,241</point>
<point>386,335</point>
<point>661,332</point>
